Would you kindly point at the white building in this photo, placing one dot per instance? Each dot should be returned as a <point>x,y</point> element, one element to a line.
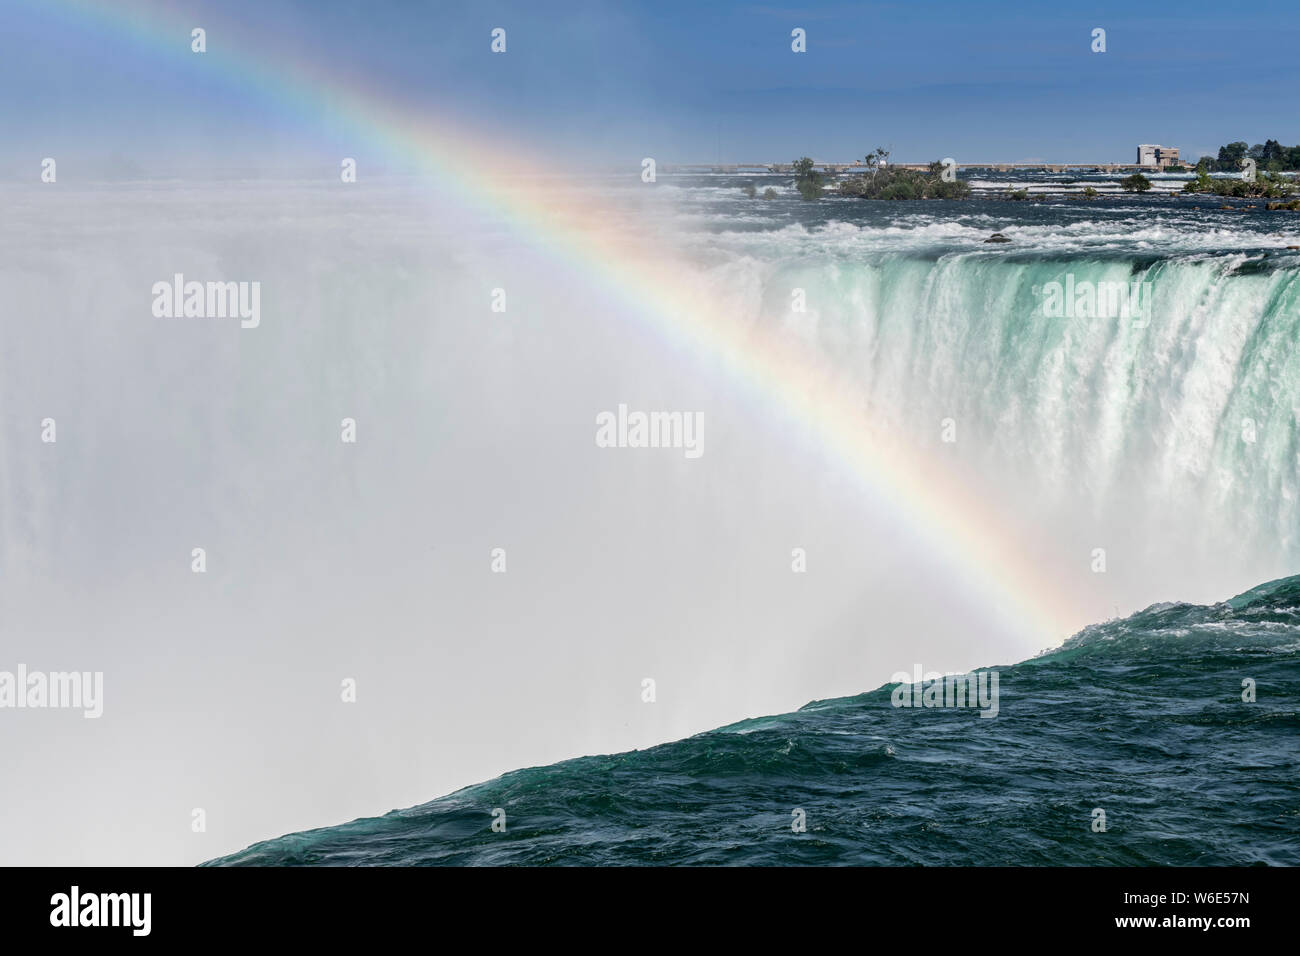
<point>1150,155</point>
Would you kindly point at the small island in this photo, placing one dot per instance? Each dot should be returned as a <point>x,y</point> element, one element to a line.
<point>1261,166</point>
<point>1260,170</point>
<point>879,180</point>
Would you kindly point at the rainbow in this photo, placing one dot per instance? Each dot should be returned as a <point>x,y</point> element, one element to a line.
<point>946,518</point>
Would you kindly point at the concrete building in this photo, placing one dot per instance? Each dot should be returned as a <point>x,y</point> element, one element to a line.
<point>1161,156</point>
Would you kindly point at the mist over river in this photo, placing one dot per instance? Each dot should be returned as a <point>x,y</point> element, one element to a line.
<point>498,586</point>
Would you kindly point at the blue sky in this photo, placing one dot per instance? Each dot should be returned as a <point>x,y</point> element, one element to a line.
<point>996,81</point>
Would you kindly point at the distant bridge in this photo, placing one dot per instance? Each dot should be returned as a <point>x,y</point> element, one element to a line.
<point>860,166</point>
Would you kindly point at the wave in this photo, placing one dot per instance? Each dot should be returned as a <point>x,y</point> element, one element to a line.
<point>1144,720</point>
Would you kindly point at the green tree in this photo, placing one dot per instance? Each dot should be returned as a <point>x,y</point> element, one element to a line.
<point>876,161</point>
<point>1270,154</point>
<point>1137,183</point>
<point>1230,156</point>
<point>808,180</point>
<point>1202,183</point>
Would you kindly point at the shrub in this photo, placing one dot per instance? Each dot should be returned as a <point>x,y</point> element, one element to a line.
<point>1137,183</point>
<point>882,181</point>
<point>807,180</point>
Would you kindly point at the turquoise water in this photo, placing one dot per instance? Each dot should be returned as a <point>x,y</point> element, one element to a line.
<point>1171,437</point>
<point>1142,718</point>
<point>1190,404</point>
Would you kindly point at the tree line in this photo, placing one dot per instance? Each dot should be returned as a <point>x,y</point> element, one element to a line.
<point>1270,155</point>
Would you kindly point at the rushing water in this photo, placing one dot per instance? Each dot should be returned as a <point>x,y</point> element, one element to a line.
<point>1142,719</point>
<point>1188,402</point>
<point>1164,435</point>
<point>1171,426</point>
